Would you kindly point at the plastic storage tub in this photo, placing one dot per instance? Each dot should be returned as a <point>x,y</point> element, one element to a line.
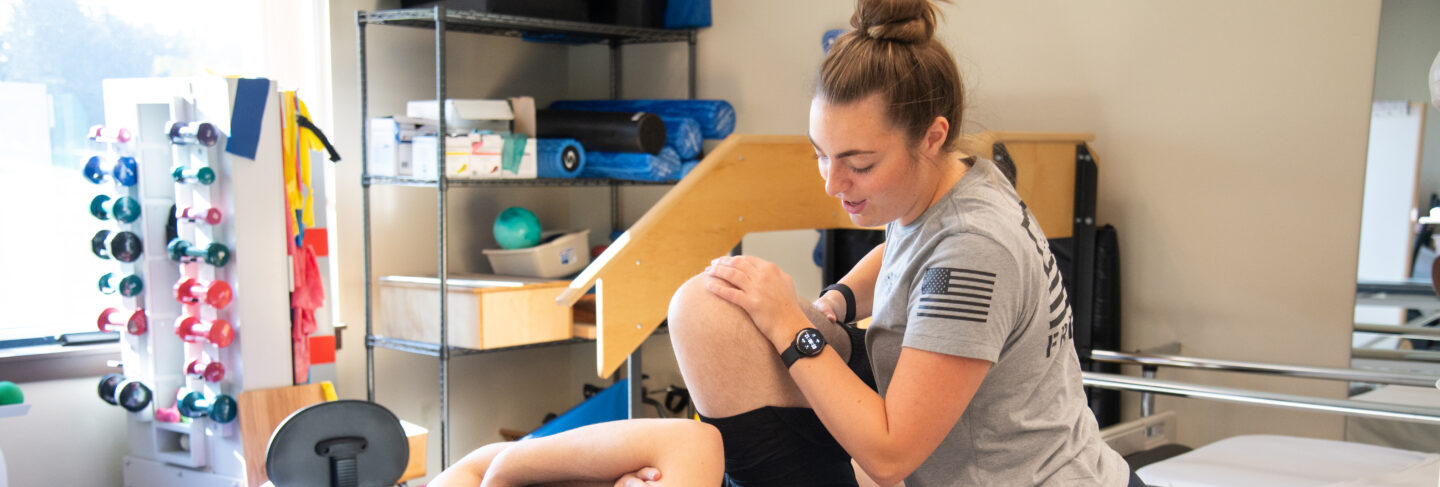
<point>559,254</point>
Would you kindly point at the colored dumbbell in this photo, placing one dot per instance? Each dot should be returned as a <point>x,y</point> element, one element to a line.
<point>120,391</point>
<point>101,133</point>
<point>128,286</point>
<point>134,323</point>
<point>220,408</point>
<point>123,169</point>
<point>218,332</point>
<point>190,290</point>
<point>215,254</point>
<point>123,246</point>
<point>194,214</point>
<point>199,175</point>
<point>193,133</point>
<point>210,370</point>
<point>123,209</point>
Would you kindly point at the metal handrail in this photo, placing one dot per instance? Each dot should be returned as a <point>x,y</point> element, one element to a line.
<point>1347,407</point>
<point>1411,332</point>
<point>1349,375</point>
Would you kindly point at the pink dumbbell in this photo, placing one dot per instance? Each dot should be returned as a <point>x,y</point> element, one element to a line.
<point>210,370</point>
<point>194,214</point>
<point>190,290</point>
<point>135,323</point>
<point>101,133</point>
<point>218,332</point>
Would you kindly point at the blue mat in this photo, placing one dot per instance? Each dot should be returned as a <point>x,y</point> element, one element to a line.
<point>609,405</point>
<point>716,117</point>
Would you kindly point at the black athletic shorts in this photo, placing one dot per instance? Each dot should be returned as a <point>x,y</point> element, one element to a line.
<point>775,446</point>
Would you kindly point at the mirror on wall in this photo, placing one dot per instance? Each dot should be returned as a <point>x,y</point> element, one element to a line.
<point>1397,312</point>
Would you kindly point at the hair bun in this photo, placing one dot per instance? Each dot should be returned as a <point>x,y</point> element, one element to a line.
<point>908,21</point>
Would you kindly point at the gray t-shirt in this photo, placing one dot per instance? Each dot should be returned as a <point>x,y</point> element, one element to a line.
<point>973,277</point>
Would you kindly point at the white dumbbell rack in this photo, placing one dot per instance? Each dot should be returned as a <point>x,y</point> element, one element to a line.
<point>250,193</point>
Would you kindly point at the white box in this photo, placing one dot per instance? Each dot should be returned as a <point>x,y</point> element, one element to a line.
<point>463,116</point>
<point>559,254</point>
<point>391,145</point>
<point>473,156</point>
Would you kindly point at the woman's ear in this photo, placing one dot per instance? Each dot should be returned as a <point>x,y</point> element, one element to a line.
<point>935,136</point>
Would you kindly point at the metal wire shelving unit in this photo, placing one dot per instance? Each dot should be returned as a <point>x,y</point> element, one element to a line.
<point>441,21</point>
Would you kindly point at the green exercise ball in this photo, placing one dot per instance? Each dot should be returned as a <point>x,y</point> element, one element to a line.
<point>517,228</point>
<point>10,393</point>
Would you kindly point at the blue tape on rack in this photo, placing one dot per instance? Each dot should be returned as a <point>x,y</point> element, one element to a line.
<point>249,110</point>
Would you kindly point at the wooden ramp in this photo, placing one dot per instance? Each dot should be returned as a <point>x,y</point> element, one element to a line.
<point>762,183</point>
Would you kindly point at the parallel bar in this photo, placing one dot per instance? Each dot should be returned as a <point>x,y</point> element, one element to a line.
<point>441,188</point>
<point>365,209</point>
<point>1402,355</point>
<point>431,349</point>
<point>1346,407</point>
<point>1411,332</point>
<point>1350,375</point>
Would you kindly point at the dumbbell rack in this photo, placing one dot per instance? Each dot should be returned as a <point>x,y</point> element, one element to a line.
<point>249,193</point>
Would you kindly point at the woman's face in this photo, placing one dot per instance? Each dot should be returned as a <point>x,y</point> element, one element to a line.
<point>866,162</point>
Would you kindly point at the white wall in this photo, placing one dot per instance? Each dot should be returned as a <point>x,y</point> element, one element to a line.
<point>1231,144</point>
<point>69,437</point>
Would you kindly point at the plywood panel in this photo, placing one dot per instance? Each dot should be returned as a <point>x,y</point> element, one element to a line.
<point>260,412</point>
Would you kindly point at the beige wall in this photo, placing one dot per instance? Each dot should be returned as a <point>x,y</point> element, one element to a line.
<point>1409,41</point>
<point>1231,142</point>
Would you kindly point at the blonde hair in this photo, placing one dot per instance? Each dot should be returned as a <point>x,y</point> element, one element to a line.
<point>893,52</point>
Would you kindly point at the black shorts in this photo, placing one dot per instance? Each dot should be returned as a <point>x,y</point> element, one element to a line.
<point>777,446</point>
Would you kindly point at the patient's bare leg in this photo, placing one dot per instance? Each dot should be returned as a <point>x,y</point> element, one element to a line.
<point>729,367</point>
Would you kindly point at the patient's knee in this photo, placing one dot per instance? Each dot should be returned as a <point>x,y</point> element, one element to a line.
<point>693,306</point>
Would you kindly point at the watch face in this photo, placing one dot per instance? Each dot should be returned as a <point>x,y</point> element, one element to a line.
<point>810,342</point>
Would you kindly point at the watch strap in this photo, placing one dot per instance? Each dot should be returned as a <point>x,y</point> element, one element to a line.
<point>849,296</point>
<point>790,355</point>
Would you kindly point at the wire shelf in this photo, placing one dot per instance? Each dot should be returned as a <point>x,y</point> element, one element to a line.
<point>516,26</point>
<point>431,183</point>
<point>432,349</point>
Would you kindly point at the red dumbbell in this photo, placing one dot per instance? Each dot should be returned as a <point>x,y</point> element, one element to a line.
<point>135,324</point>
<point>193,214</point>
<point>218,332</point>
<point>216,293</point>
<point>210,370</point>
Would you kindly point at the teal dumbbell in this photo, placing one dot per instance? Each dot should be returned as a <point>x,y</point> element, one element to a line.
<point>215,254</point>
<point>128,286</point>
<point>123,209</point>
<point>220,409</point>
<point>201,175</point>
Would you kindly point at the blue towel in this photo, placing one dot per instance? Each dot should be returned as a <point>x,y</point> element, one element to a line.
<point>633,166</point>
<point>683,135</point>
<point>716,117</point>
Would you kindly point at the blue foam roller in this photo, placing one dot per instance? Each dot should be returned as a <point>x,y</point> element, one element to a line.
<point>559,158</point>
<point>633,166</point>
<point>687,14</point>
<point>687,166</point>
<point>609,405</point>
<point>716,117</point>
<point>683,135</point>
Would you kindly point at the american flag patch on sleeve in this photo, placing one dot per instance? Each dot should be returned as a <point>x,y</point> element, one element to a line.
<point>956,294</point>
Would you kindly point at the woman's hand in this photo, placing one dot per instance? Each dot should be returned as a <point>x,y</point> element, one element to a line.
<point>832,305</point>
<point>645,477</point>
<point>764,291</point>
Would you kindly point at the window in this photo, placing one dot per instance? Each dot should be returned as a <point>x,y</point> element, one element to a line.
<point>53,56</point>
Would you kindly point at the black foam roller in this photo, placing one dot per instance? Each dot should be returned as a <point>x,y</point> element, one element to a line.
<point>604,131</point>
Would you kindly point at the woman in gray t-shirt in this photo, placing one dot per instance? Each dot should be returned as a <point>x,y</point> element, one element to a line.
<point>978,383</point>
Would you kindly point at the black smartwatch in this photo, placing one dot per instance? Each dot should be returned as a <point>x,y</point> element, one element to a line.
<point>808,343</point>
